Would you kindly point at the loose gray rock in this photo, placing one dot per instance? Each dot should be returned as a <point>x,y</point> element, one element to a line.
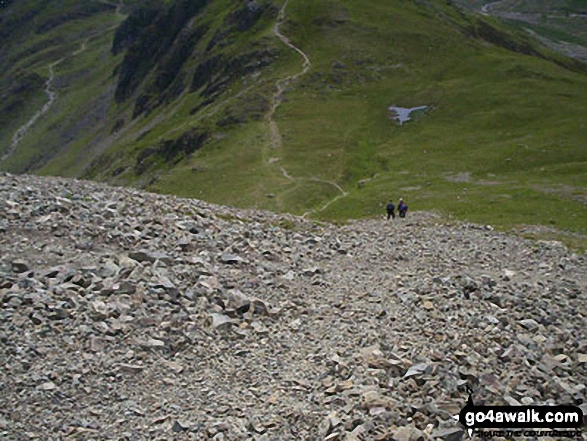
<point>185,319</point>
<point>448,434</point>
<point>20,266</point>
<point>231,259</point>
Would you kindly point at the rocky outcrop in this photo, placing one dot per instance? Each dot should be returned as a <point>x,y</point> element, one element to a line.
<point>153,42</point>
<point>247,16</point>
<point>129,314</point>
<point>216,73</point>
<point>171,151</point>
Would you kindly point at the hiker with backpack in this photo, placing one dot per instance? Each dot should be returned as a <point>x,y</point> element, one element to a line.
<point>390,210</point>
<point>402,208</point>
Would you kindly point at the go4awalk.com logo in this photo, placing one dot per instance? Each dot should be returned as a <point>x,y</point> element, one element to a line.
<point>527,421</point>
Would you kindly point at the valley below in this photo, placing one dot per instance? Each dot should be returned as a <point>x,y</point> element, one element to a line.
<point>193,241</point>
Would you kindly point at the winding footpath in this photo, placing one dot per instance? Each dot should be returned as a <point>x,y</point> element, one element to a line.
<point>133,315</point>
<point>277,99</point>
<point>51,95</point>
<point>487,8</point>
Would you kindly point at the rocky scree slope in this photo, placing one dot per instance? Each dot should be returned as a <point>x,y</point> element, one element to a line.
<point>129,314</point>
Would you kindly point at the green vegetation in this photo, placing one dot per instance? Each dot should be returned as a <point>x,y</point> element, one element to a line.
<point>501,141</point>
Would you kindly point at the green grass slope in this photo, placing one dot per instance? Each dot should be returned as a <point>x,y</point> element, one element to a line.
<point>72,39</point>
<point>501,142</point>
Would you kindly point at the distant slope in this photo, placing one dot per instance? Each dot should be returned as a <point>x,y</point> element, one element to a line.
<point>559,24</point>
<point>37,36</point>
<point>178,97</point>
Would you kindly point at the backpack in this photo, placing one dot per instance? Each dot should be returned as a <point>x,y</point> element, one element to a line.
<point>390,207</point>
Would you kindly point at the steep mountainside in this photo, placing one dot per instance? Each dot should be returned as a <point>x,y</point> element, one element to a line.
<point>286,105</point>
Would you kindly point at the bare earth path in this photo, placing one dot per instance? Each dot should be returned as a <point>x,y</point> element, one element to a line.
<point>485,10</point>
<point>282,85</point>
<point>50,92</point>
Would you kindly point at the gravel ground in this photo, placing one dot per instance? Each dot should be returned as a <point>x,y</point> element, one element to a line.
<point>129,315</point>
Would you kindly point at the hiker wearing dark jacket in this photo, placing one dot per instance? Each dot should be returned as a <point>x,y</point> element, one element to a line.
<point>390,210</point>
<point>402,208</point>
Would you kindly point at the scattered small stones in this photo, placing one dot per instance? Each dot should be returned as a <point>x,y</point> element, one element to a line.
<point>129,315</point>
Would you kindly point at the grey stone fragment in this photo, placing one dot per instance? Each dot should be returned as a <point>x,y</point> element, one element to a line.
<point>180,426</point>
<point>152,343</point>
<point>417,369</point>
<point>131,368</point>
<point>20,266</point>
<point>529,324</point>
<point>36,318</point>
<point>409,433</point>
<point>230,258</point>
<point>448,434</point>
<point>149,256</point>
<point>221,321</point>
<point>48,386</point>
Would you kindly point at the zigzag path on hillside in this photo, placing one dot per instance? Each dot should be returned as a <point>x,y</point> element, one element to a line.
<point>275,135</point>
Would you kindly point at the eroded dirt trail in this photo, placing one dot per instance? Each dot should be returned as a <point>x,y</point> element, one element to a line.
<point>51,95</point>
<point>50,92</point>
<point>282,85</point>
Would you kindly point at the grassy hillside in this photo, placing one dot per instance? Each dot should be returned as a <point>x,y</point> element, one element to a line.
<point>500,143</point>
<point>501,140</point>
<point>71,39</point>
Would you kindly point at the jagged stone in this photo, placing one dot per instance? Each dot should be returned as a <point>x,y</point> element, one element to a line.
<point>221,321</point>
<point>20,266</point>
<point>174,367</point>
<point>311,271</point>
<point>375,358</point>
<point>149,256</point>
<point>418,369</point>
<point>230,258</point>
<point>49,385</point>
<point>131,368</point>
<point>529,324</point>
<point>152,343</point>
<point>180,426</point>
<point>448,434</point>
<point>409,433</point>
<point>36,318</point>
